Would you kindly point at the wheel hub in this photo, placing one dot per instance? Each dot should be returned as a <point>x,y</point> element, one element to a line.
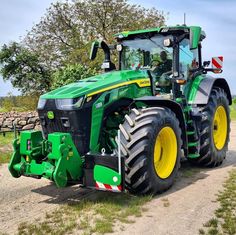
<point>165,152</point>
<point>220,127</point>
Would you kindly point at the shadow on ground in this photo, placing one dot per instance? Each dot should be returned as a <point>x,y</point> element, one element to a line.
<point>188,174</point>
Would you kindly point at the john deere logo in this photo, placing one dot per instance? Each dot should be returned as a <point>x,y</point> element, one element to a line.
<point>50,115</point>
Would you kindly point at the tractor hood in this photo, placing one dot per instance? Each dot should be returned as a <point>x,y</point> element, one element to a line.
<point>98,84</point>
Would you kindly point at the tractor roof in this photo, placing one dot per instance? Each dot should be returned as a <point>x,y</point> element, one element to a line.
<point>196,32</point>
<point>162,29</point>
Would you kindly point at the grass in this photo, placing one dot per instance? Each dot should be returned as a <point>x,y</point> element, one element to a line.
<point>233,110</point>
<point>89,216</point>
<point>5,147</point>
<point>224,220</point>
<point>5,157</point>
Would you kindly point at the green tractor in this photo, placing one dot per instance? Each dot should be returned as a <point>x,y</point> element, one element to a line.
<point>129,127</point>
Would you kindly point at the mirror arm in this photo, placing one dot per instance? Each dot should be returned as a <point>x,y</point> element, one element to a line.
<point>106,50</point>
<point>175,59</point>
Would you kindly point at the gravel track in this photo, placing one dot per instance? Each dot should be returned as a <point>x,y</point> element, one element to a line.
<point>191,201</point>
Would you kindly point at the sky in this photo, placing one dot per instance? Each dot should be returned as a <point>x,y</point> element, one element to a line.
<point>16,18</point>
<point>216,17</point>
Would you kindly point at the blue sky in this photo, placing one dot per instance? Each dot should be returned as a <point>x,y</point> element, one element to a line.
<point>16,17</point>
<point>217,18</point>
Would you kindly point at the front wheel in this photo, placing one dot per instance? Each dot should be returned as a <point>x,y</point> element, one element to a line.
<point>151,142</point>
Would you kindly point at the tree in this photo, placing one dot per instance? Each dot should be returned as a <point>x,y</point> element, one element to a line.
<point>63,34</point>
<point>23,68</point>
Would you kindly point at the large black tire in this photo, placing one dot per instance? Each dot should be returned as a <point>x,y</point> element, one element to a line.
<point>138,138</point>
<point>210,155</point>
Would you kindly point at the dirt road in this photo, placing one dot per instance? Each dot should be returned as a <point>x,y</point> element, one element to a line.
<point>181,210</point>
<point>190,203</point>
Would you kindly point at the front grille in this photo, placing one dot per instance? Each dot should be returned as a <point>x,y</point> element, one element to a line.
<point>75,122</point>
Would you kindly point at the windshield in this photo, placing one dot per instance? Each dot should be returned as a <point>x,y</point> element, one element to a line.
<point>147,53</point>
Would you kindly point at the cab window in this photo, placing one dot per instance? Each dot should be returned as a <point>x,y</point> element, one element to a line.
<point>188,59</point>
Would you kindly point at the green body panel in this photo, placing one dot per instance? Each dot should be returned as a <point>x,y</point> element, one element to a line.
<point>192,88</point>
<point>128,92</point>
<point>94,84</point>
<point>106,175</point>
<point>64,162</point>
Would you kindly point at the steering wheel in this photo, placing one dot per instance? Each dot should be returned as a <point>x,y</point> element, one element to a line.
<point>164,79</point>
<point>154,61</point>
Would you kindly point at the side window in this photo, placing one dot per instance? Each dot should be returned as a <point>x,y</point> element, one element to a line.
<point>132,58</point>
<point>188,59</point>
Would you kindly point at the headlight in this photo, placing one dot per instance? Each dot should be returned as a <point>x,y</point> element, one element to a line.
<point>69,104</point>
<point>41,103</point>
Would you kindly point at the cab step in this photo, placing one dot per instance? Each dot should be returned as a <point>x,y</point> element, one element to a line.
<point>193,155</point>
<point>189,121</point>
<point>192,144</point>
<point>187,109</point>
<point>190,132</point>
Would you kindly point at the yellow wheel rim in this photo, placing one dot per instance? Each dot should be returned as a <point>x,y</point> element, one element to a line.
<point>220,127</point>
<point>165,152</point>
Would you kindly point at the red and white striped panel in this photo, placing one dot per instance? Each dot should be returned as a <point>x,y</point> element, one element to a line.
<point>217,62</point>
<point>107,187</point>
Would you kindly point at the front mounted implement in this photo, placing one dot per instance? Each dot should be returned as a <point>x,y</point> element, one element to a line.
<point>57,159</point>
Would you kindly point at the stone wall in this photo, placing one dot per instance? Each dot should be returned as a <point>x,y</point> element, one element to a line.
<point>22,121</point>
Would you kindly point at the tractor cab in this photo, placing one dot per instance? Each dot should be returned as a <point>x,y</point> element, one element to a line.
<point>171,55</point>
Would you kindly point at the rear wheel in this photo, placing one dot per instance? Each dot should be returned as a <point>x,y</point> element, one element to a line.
<point>215,129</point>
<point>151,143</point>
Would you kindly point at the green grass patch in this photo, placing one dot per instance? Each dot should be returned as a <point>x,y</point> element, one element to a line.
<point>5,157</point>
<point>89,216</point>
<point>7,139</point>
<point>233,110</point>
<point>224,221</point>
<point>6,147</point>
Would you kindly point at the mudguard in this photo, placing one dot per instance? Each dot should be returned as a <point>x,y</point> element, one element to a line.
<point>174,106</point>
<point>204,90</point>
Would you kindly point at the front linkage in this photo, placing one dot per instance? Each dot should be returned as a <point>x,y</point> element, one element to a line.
<point>57,159</point>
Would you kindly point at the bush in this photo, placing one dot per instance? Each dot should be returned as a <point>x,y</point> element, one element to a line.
<point>19,103</point>
<point>70,74</point>
<point>234,101</point>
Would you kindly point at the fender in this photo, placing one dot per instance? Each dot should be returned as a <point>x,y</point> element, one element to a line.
<point>204,90</point>
<point>156,101</point>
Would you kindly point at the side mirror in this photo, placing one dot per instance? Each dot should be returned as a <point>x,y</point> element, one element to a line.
<point>194,36</point>
<point>94,50</point>
<point>206,63</point>
<point>217,65</point>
